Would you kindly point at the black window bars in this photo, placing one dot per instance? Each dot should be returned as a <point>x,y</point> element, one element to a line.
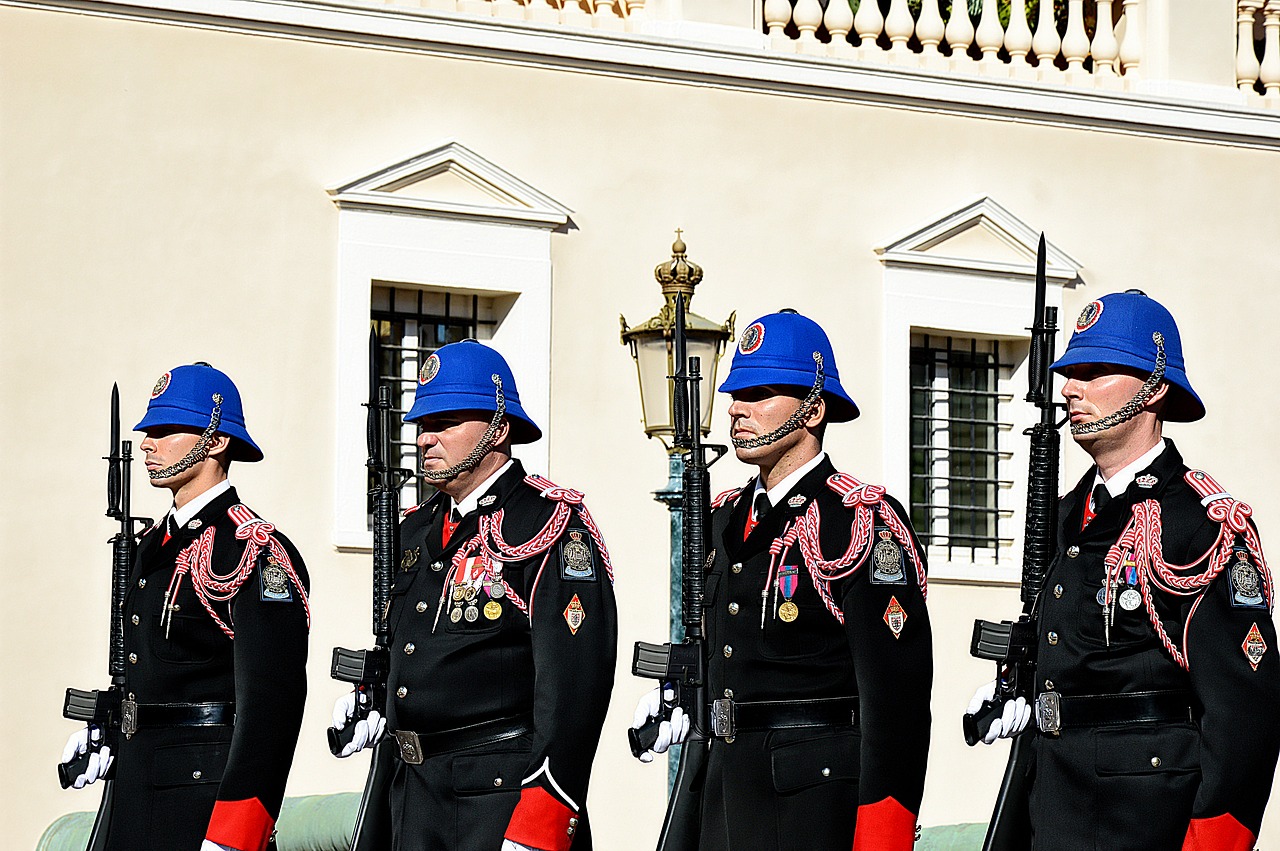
<point>956,456</point>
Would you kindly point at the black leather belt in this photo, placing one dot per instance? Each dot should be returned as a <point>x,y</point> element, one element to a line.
<point>413,747</point>
<point>730,717</point>
<point>1056,711</point>
<point>185,714</point>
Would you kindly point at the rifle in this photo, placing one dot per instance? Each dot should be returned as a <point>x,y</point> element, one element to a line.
<point>107,711</point>
<point>367,670</point>
<point>1012,644</point>
<point>684,665</point>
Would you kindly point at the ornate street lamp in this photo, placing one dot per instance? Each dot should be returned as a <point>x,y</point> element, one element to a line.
<point>651,346</point>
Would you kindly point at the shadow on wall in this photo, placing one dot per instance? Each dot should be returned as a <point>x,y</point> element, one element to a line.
<point>325,822</point>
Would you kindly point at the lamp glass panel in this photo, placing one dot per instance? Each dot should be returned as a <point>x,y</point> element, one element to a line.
<point>654,365</point>
<point>705,350</point>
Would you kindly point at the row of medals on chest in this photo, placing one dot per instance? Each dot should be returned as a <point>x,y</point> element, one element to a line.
<point>887,562</point>
<point>464,589</point>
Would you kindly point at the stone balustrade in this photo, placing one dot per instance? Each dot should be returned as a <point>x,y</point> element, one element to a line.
<point>1104,52</point>
<point>1258,51</point>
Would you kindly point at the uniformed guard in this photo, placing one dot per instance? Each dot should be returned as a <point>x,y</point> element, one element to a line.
<point>216,620</point>
<point>503,631</point>
<point>1157,682</point>
<point>820,646</point>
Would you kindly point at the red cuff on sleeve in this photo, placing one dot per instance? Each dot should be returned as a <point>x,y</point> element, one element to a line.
<point>245,825</point>
<point>884,826</point>
<point>541,821</point>
<point>1220,833</point>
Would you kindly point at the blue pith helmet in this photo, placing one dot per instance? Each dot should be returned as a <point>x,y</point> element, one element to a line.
<point>778,350</point>
<point>458,377</point>
<point>1118,329</point>
<point>184,397</point>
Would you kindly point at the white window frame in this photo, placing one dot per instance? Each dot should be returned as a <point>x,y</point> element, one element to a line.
<point>387,235</point>
<point>928,291</point>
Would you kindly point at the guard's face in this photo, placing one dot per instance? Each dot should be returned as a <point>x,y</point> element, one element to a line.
<point>756,411</point>
<point>167,445</point>
<point>1095,390</point>
<point>445,439</point>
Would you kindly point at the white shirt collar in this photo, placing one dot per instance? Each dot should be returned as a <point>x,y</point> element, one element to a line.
<point>782,488</point>
<point>472,500</point>
<point>1119,483</point>
<point>181,516</point>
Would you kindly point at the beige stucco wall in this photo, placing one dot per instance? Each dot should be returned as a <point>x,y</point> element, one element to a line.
<point>165,203</point>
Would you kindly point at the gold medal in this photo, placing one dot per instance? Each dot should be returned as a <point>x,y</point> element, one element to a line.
<point>455,615</point>
<point>493,610</point>
<point>788,611</point>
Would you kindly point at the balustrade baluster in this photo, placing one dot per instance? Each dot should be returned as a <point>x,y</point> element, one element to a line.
<point>1269,70</point>
<point>1017,38</point>
<point>930,28</point>
<point>1104,48</point>
<point>1132,47</point>
<point>1247,65</point>
<point>839,20</point>
<point>1046,43</point>
<point>959,33</point>
<point>635,12</point>
<point>807,17</point>
<point>899,26</point>
<point>990,34</point>
<point>777,14</point>
<point>868,23</point>
<point>1075,44</point>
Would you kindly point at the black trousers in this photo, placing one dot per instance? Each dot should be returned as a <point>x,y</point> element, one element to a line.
<point>462,801</point>
<point>780,790</point>
<point>1127,788</point>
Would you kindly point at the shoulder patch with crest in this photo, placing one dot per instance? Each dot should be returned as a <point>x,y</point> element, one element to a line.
<point>273,580</point>
<point>1246,584</point>
<point>888,566</point>
<point>577,562</point>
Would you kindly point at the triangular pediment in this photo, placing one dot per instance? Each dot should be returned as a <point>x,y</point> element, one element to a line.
<point>982,237</point>
<point>453,181</point>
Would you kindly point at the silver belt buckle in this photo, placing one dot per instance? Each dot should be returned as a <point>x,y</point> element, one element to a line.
<point>410,747</point>
<point>1049,712</point>
<point>722,718</point>
<point>128,718</point>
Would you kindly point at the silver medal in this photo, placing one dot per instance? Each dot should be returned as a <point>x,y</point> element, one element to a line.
<point>1130,599</point>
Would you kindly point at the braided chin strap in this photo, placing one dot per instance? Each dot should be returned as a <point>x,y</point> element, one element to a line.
<point>199,452</point>
<point>482,446</point>
<point>1134,405</point>
<point>795,420</point>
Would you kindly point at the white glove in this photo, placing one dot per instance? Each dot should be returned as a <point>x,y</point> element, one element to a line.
<point>99,761</point>
<point>213,846</point>
<point>368,731</point>
<point>508,845</point>
<point>671,732</point>
<point>1012,721</point>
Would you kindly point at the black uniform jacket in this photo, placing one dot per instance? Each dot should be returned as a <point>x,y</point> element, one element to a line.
<point>1203,781</point>
<point>808,787</point>
<point>175,786</point>
<point>544,650</point>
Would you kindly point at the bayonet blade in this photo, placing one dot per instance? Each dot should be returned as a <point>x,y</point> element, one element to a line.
<point>113,456</point>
